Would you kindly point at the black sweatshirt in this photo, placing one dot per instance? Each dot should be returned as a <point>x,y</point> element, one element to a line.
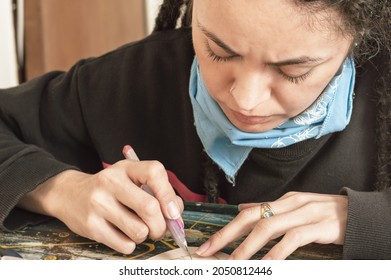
<point>138,95</point>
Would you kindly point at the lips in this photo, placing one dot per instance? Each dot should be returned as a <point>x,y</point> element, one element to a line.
<point>250,120</point>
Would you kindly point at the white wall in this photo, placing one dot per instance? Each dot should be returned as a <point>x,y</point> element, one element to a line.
<point>152,7</point>
<point>8,59</point>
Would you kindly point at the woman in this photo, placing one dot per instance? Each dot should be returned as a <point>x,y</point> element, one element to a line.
<point>284,102</point>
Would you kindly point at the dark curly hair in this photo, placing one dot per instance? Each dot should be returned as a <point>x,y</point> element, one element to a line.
<point>368,22</point>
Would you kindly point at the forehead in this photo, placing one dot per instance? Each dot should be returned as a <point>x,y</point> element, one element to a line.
<point>248,17</point>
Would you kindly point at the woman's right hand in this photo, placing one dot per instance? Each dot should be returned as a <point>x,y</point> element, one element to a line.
<point>110,207</point>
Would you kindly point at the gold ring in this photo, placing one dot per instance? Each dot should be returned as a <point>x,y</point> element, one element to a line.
<point>266,211</point>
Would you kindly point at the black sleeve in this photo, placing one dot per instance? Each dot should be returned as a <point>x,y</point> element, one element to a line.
<point>42,133</point>
<point>368,226</point>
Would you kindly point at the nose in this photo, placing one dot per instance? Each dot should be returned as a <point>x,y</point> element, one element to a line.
<point>250,89</point>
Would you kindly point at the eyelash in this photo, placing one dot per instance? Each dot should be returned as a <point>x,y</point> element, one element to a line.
<point>294,80</point>
<point>215,57</point>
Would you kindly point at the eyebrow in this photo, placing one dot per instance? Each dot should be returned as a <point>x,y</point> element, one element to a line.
<point>217,41</point>
<point>294,61</point>
<point>297,61</point>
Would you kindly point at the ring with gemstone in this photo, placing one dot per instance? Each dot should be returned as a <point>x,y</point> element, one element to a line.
<point>266,211</point>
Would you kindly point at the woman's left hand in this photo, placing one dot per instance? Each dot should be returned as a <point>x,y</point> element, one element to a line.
<point>301,218</point>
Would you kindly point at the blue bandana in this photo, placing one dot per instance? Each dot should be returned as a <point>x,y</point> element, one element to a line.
<point>229,146</point>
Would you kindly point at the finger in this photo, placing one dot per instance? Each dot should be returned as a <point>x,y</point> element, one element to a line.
<point>253,243</point>
<point>288,197</point>
<point>114,206</point>
<point>154,175</point>
<point>282,205</point>
<point>246,205</point>
<point>301,198</point>
<point>129,223</point>
<point>238,227</point>
<point>291,201</point>
<point>292,240</point>
<point>179,201</point>
<point>147,208</point>
<point>107,234</point>
<point>275,226</point>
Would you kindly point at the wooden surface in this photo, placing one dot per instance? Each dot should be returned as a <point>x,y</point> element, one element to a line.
<point>53,240</point>
<point>58,33</point>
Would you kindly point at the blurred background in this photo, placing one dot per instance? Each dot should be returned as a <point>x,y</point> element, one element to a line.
<point>37,36</point>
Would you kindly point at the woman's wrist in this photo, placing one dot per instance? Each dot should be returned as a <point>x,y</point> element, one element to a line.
<point>46,198</point>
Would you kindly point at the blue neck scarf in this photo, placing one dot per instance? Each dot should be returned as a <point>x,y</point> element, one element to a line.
<point>229,147</point>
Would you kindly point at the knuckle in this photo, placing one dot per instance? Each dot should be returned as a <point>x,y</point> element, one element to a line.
<point>266,226</point>
<point>156,169</point>
<point>299,198</point>
<point>218,236</point>
<point>134,229</point>
<point>95,200</point>
<point>151,206</point>
<point>158,233</point>
<point>91,232</point>
<point>312,207</point>
<point>295,236</point>
<point>288,194</point>
<point>107,178</point>
<point>292,193</point>
<point>251,213</point>
<point>141,234</point>
<point>317,211</point>
<point>103,177</point>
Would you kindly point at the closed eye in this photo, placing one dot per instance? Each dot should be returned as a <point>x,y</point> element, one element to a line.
<point>215,57</point>
<point>294,79</point>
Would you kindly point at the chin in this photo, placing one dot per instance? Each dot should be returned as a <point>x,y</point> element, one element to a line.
<point>254,128</point>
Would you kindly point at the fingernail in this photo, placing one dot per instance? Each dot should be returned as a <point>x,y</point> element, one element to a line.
<point>182,222</point>
<point>203,248</point>
<point>173,210</point>
<point>128,247</point>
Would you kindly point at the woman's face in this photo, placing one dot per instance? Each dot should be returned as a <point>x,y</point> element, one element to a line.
<point>265,61</point>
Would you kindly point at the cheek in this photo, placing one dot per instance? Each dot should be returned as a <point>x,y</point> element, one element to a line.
<point>295,100</point>
<point>218,79</point>
<point>217,76</point>
<point>306,94</point>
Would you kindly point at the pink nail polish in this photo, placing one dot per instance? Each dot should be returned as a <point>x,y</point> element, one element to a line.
<point>173,210</point>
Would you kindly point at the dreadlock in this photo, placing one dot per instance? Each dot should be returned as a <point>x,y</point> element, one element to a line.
<point>172,11</point>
